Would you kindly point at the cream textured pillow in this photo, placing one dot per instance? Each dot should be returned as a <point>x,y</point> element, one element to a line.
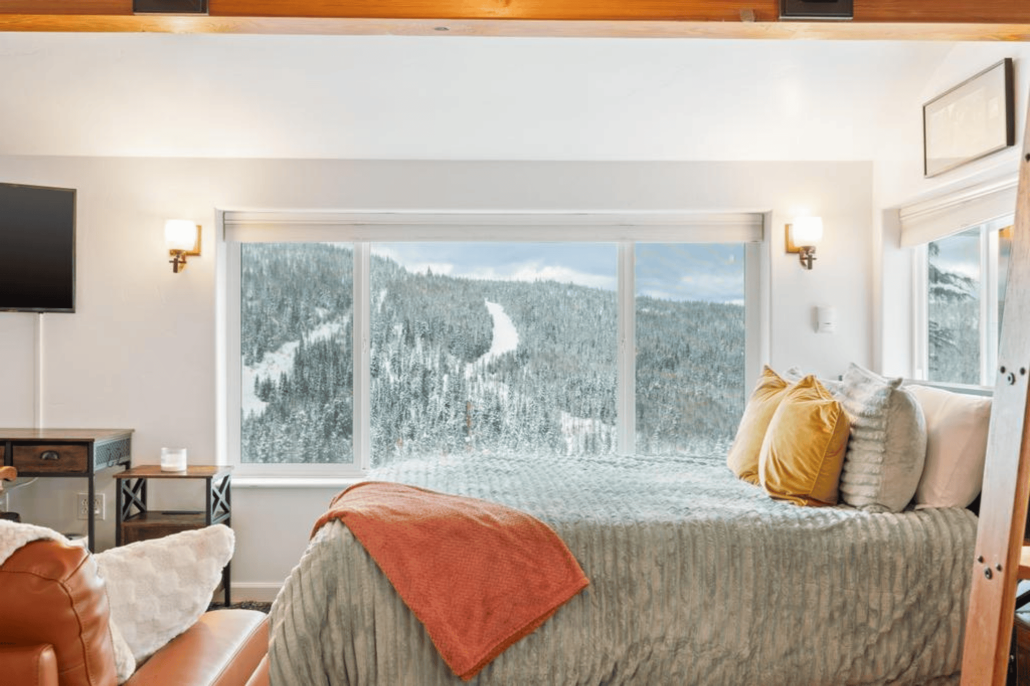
<point>159,588</point>
<point>887,449</point>
<point>956,447</point>
<point>804,447</point>
<point>765,398</point>
<point>795,374</point>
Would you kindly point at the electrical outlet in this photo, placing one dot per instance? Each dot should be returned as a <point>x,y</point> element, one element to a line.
<point>99,506</point>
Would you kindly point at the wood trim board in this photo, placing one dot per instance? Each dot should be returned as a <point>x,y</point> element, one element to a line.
<point>54,23</point>
<point>950,20</point>
<point>880,11</point>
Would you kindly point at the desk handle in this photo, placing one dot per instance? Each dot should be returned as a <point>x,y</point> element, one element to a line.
<point>50,455</point>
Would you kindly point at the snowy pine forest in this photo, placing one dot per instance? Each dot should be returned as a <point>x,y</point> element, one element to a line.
<point>953,321</point>
<point>471,366</point>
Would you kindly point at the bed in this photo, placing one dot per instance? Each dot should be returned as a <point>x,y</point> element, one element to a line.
<point>695,577</point>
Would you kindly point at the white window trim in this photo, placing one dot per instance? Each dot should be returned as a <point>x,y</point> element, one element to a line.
<point>945,215</point>
<point>989,304</point>
<point>363,228</point>
<point>920,313</point>
<point>362,441</point>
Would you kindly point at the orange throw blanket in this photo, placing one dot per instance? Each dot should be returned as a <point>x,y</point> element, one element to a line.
<point>478,575</point>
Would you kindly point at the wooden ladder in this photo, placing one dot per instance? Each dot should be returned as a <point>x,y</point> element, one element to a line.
<point>1000,559</point>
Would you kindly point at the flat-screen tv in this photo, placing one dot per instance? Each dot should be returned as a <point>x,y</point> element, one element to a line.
<point>37,248</point>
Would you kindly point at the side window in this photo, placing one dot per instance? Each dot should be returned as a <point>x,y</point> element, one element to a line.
<point>965,294</point>
<point>953,308</point>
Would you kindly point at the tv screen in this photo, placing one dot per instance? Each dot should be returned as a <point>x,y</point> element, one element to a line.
<point>37,248</point>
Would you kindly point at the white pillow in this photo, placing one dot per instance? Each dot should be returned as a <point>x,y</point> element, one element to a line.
<point>956,449</point>
<point>159,588</point>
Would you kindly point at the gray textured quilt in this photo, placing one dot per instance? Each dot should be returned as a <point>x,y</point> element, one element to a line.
<point>696,578</point>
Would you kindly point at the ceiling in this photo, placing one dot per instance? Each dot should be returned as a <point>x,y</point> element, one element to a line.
<point>473,98</point>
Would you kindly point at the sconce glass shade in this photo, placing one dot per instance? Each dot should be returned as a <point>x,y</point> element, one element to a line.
<point>181,234</point>
<point>806,231</point>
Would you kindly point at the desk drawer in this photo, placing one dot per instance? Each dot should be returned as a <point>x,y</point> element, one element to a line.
<point>64,458</point>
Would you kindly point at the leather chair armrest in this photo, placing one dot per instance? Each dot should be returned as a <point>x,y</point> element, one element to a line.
<point>260,675</point>
<point>31,665</point>
<point>224,648</point>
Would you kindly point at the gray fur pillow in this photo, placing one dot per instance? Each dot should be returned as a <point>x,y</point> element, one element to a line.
<point>887,449</point>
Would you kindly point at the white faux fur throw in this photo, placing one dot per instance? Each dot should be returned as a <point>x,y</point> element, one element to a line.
<point>13,535</point>
<point>159,588</point>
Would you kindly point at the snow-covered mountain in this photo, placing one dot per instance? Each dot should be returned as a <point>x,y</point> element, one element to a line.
<point>472,366</point>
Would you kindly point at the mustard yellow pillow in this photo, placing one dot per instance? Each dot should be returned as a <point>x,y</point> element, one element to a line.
<point>747,445</point>
<point>803,451</point>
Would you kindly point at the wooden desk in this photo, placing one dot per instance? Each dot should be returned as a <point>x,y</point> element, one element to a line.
<point>137,523</point>
<point>43,453</point>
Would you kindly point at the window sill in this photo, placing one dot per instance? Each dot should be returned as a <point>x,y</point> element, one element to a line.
<point>965,389</point>
<point>335,483</point>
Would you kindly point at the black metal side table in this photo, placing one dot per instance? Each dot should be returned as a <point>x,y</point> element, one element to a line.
<point>137,523</point>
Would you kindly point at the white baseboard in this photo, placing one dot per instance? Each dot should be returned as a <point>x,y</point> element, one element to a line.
<point>257,591</point>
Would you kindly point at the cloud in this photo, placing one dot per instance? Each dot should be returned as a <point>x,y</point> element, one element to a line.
<point>529,272</point>
<point>707,272</point>
<point>961,267</point>
<point>413,266</point>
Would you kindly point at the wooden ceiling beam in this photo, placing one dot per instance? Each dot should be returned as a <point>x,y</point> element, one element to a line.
<point>947,20</point>
<point>943,11</point>
<point>531,10</point>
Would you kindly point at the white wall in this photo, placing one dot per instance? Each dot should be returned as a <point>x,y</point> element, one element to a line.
<point>451,97</point>
<point>899,181</point>
<point>140,351</point>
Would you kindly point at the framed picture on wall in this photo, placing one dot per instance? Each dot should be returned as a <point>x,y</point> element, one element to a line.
<point>969,121</point>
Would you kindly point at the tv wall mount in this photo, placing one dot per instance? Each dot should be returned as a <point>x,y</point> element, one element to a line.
<point>814,10</point>
<point>169,7</point>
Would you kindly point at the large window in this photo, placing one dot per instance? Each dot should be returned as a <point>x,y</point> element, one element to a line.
<point>964,296</point>
<point>351,352</point>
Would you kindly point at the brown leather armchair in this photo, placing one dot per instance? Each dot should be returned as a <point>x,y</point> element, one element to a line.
<point>54,630</point>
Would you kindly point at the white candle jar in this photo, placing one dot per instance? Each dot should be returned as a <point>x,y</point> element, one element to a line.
<point>173,459</point>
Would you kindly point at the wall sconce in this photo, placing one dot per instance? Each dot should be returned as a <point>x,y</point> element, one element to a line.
<point>183,239</point>
<point>802,237</point>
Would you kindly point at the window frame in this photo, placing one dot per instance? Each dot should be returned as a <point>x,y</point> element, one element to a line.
<point>363,229</point>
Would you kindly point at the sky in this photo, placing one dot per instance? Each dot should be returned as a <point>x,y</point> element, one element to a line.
<point>698,271</point>
<point>960,252</point>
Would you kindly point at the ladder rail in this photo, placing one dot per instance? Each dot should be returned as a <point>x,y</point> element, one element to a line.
<point>1006,489</point>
